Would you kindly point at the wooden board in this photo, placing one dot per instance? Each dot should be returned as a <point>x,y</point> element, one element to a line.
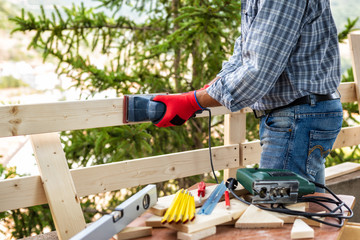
<point>219,215</point>
<point>251,151</point>
<point>341,169</point>
<point>58,185</point>
<point>354,43</point>
<point>234,133</point>
<point>134,232</point>
<point>290,218</point>
<point>28,191</point>
<point>26,119</point>
<point>351,232</point>
<point>255,217</point>
<point>301,230</point>
<point>197,235</point>
<point>348,136</point>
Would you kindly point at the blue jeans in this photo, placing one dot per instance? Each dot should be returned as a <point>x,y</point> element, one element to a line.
<point>299,138</point>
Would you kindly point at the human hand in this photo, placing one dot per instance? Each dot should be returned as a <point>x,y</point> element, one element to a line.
<point>179,108</point>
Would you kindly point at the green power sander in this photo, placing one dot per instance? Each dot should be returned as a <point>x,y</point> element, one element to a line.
<point>274,185</point>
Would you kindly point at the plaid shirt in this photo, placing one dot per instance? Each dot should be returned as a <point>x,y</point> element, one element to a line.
<point>287,49</point>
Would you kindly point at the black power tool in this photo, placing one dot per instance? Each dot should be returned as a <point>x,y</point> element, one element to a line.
<point>141,108</point>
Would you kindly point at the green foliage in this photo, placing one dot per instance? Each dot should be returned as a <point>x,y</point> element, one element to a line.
<point>11,82</point>
<point>349,27</point>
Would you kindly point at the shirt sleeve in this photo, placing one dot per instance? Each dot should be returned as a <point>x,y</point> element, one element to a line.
<point>234,62</point>
<point>271,37</point>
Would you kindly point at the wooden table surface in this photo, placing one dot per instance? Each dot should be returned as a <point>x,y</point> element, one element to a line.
<point>325,232</point>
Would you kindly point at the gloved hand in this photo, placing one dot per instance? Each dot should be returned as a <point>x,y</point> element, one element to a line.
<point>179,108</point>
<point>204,87</point>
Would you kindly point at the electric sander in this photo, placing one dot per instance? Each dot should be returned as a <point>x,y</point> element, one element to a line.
<point>141,108</point>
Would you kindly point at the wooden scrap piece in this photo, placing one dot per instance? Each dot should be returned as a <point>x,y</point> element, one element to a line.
<point>291,218</point>
<point>301,230</point>
<point>197,235</point>
<point>219,215</point>
<point>341,169</point>
<point>154,221</point>
<point>351,231</point>
<point>255,217</point>
<point>134,232</point>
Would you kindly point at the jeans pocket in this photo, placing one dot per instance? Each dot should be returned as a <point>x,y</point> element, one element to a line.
<point>320,145</point>
<point>279,123</point>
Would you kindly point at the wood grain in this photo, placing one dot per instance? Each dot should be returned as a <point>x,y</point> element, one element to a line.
<point>58,185</point>
<point>28,191</point>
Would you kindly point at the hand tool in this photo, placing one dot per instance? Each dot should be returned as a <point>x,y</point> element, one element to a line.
<point>181,209</point>
<point>274,185</point>
<point>171,208</point>
<point>213,199</point>
<point>201,190</point>
<point>177,207</point>
<point>111,224</point>
<point>227,199</point>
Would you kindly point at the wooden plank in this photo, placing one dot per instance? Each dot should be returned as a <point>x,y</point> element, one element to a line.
<point>21,192</point>
<point>114,176</point>
<point>219,215</point>
<point>290,218</point>
<point>25,192</point>
<point>350,233</point>
<point>341,169</point>
<point>35,118</point>
<point>234,133</point>
<point>58,185</point>
<point>26,119</point>
<point>348,136</point>
<point>154,221</point>
<point>301,230</point>
<point>354,43</point>
<point>197,235</point>
<point>347,92</point>
<point>250,152</point>
<point>255,217</point>
<point>134,232</point>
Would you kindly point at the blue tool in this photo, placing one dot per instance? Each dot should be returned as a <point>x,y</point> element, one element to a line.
<point>213,199</point>
<point>139,108</point>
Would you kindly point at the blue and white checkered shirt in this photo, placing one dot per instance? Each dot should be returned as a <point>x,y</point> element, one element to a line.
<point>287,49</point>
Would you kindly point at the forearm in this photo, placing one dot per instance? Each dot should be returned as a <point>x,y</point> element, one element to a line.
<point>204,98</point>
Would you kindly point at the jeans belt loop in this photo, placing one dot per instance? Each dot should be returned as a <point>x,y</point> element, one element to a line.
<point>312,100</point>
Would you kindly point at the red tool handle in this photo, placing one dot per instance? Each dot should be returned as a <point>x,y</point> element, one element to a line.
<point>201,189</point>
<point>227,199</point>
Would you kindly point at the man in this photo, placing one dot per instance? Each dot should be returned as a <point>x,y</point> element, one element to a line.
<point>286,67</point>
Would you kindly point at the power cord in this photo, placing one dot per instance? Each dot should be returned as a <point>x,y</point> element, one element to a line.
<point>336,212</point>
<point>211,161</point>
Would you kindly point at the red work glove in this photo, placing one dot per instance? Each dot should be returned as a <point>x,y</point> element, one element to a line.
<point>204,87</point>
<point>179,108</point>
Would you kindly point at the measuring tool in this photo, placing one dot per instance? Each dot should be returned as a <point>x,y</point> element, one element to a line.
<point>111,224</point>
<point>213,199</point>
<point>274,185</point>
